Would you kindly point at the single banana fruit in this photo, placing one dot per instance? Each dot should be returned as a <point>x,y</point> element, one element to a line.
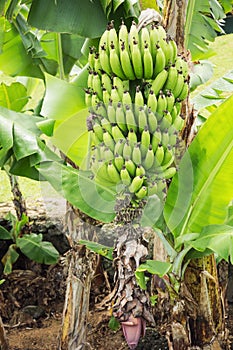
<point>115,62</point>
<point>159,81</point>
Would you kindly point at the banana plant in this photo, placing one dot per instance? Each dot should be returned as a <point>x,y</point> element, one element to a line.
<point>64,101</point>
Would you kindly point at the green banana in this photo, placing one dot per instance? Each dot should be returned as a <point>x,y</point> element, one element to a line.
<point>182,65</point>
<point>126,63</point>
<point>169,173</point>
<point>179,85</point>
<point>130,120</point>
<point>98,130</point>
<point>166,121</point>
<point>97,64</point>
<point>96,83</point>
<point>149,158</point>
<point>184,91</point>
<point>108,140</point>
<point>142,119</point>
<point>154,39</point>
<point>161,106</point>
<point>152,101</point>
<point>136,184</point>
<point>106,125</point>
<point>145,141</point>
<point>126,100</point>
<point>118,161</point>
<point>152,188</point>
<point>130,166</point>
<point>160,61</point>
<point>102,172</point>
<point>178,123</point>
<point>120,117</point>
<point>137,60</point>
<point>159,81</point>
<point>88,98</point>
<point>152,121</point>
<point>111,112</point>
<point>90,79</point>
<point>171,78</point>
<point>170,101</point>
<point>123,35</point>
<point>106,96</point>
<point>156,139</point>
<point>136,154</point>
<point>116,133</point>
<point>138,99</point>
<point>115,63</point>
<point>132,137</point>
<point>108,154</point>
<point>106,82</point>
<point>113,172</point>
<point>133,36</point>
<point>159,155</point>
<point>104,40</point>
<point>163,43</point>
<point>144,36</point>
<point>115,97</point>
<point>178,105</point>
<point>147,62</point>
<point>113,38</point>
<point>125,177</point>
<point>165,138</point>
<point>118,83</point>
<point>101,110</point>
<point>104,60</point>
<point>94,100</point>
<point>172,43</point>
<point>140,171</point>
<point>91,57</point>
<point>173,112</point>
<point>119,146</point>
<point>127,150</point>
<point>142,193</point>
<point>168,158</point>
<point>161,32</point>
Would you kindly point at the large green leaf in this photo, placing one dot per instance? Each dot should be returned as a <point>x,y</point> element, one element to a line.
<point>71,45</point>
<point>201,25</point>
<point>13,96</point>
<point>35,249</point>
<point>14,59</point>
<point>19,139</point>
<point>65,103</point>
<point>213,93</point>
<point>80,190</point>
<point>85,18</point>
<point>218,238</point>
<point>200,193</point>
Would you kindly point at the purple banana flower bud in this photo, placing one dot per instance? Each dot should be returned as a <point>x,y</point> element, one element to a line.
<point>133,329</point>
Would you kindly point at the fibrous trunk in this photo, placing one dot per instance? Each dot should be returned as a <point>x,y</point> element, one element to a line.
<point>81,268</point>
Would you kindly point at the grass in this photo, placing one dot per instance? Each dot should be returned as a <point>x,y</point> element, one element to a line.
<point>222,61</point>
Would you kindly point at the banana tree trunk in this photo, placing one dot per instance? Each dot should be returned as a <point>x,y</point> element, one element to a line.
<point>81,268</point>
<point>197,316</point>
<point>205,324</point>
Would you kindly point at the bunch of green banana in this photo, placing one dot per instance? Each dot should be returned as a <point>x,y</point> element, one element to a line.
<point>134,127</point>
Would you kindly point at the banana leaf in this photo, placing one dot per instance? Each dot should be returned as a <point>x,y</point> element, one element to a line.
<point>201,191</point>
<point>202,25</point>
<point>80,190</point>
<point>85,18</point>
